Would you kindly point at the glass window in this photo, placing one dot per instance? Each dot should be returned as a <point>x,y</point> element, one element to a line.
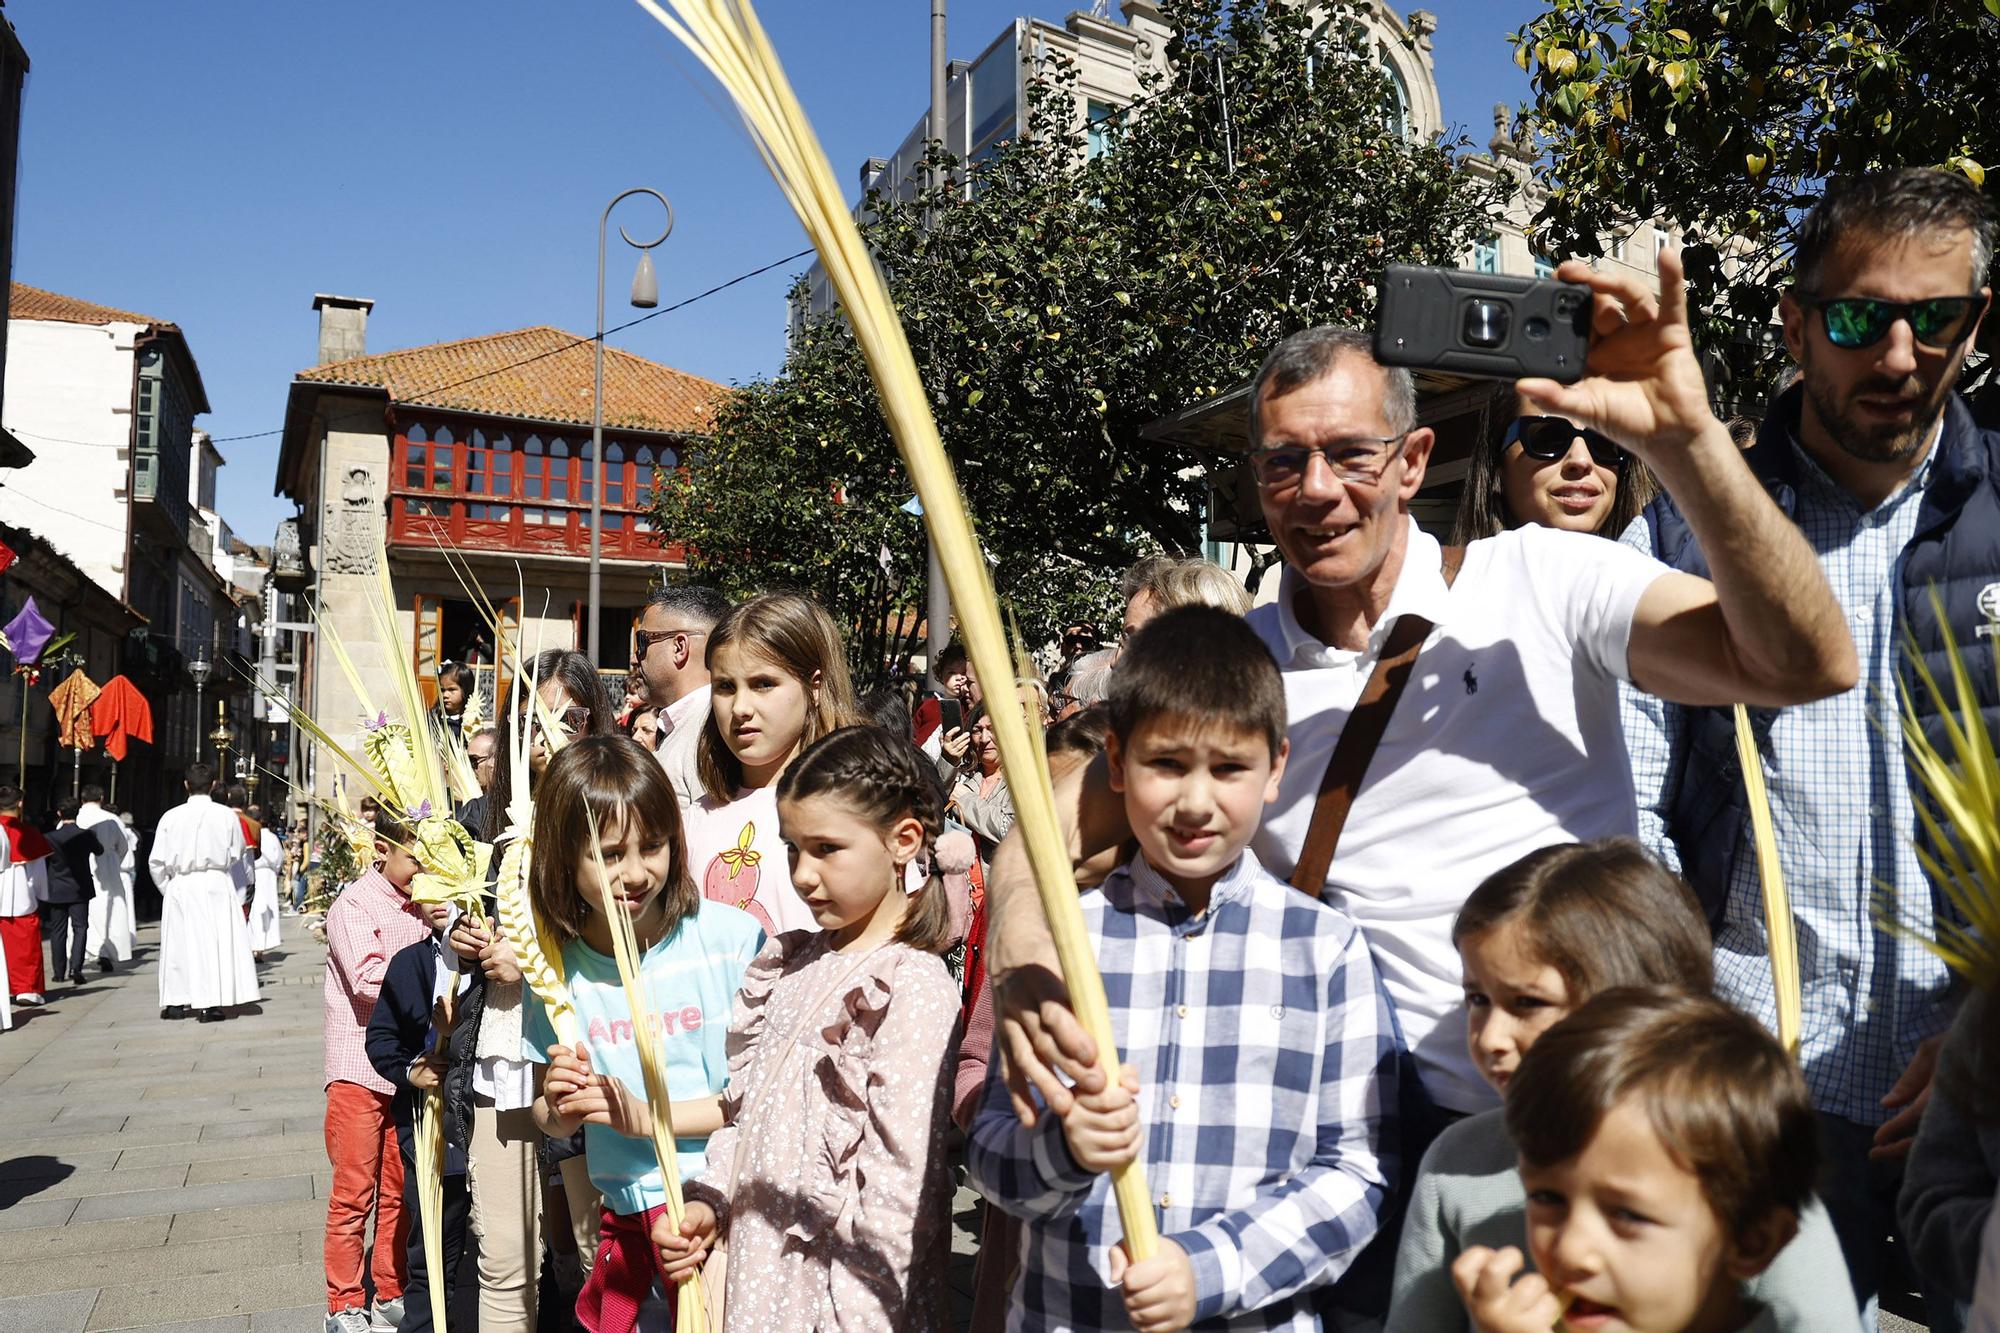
<point>1100,125</point>
<point>558,476</point>
<point>1544,268</point>
<point>1486,254</point>
<point>993,95</point>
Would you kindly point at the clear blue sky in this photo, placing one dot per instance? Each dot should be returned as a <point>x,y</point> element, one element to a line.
<point>216,163</point>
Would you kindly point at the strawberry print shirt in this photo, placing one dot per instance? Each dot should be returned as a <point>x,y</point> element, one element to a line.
<point>735,854</point>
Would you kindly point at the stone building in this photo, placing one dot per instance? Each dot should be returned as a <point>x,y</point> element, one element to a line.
<point>480,448</point>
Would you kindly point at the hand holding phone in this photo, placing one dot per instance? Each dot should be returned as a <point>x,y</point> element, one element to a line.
<point>1489,324</point>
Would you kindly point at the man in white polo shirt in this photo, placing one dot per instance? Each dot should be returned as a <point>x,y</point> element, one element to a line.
<point>1507,736</point>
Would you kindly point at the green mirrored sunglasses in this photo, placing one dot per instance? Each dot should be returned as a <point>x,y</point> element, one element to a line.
<point>1861,321</point>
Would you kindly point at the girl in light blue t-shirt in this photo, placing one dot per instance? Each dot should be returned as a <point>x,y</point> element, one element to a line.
<point>694,954</point>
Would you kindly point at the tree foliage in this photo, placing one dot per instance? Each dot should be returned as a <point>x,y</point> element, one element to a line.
<point>1727,116</point>
<point>1058,301</point>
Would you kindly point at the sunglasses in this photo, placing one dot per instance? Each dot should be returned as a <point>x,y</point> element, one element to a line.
<point>644,639</point>
<point>1548,438</point>
<point>1862,321</point>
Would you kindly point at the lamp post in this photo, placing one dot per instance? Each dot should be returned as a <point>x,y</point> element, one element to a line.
<point>645,295</point>
<point>199,669</point>
<point>222,738</point>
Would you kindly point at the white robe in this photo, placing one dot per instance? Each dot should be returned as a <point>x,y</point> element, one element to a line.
<point>264,901</point>
<point>200,863</point>
<point>112,935</point>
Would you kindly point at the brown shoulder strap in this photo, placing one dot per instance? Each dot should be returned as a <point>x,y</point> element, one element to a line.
<point>1359,739</point>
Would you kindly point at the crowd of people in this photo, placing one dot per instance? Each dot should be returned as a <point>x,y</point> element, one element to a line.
<point>1424,896</point>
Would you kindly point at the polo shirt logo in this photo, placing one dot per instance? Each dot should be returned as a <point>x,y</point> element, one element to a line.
<point>1471,681</point>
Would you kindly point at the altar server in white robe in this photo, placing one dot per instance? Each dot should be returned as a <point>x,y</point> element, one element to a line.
<point>202,866</point>
<point>111,935</point>
<point>264,901</point>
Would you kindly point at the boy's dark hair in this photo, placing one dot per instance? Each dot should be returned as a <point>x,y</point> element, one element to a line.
<point>1727,1102</point>
<point>10,797</point>
<point>200,778</point>
<point>1896,203</point>
<point>953,654</point>
<point>1081,733</point>
<point>1203,664</point>
<point>613,777</point>
<point>1603,914</point>
<point>391,827</point>
<point>882,778</point>
<point>66,809</point>
<point>236,796</point>
<point>91,792</point>
<point>369,805</point>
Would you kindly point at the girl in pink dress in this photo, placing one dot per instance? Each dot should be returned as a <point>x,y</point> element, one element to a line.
<point>778,682</point>
<point>828,1183</point>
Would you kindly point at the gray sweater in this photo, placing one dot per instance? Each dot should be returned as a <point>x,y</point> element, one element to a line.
<point>1469,1194</point>
<point>1954,1167</point>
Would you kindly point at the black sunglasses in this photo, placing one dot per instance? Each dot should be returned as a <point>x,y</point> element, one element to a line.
<point>1548,438</point>
<point>1862,321</point>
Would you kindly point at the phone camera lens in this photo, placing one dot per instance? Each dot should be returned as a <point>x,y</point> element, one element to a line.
<point>1486,323</point>
<point>1536,329</point>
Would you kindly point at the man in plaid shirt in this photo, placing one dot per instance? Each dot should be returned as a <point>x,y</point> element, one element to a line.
<point>1261,1051</point>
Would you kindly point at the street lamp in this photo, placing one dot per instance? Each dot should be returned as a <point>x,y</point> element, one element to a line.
<point>199,669</point>
<point>645,295</point>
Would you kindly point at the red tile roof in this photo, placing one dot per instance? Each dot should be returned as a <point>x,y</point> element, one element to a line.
<point>25,302</point>
<point>537,374</point>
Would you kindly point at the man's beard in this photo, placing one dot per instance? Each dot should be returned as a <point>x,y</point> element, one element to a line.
<point>1871,443</point>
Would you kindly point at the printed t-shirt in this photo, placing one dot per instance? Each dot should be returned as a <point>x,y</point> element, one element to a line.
<point>737,857</point>
<point>1506,739</point>
<point>691,979</point>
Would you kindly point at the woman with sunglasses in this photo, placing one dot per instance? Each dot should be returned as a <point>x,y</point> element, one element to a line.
<point>1542,470</point>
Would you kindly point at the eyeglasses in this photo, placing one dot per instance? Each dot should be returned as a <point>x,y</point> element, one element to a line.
<point>1862,321</point>
<point>478,759</point>
<point>1359,460</point>
<point>646,638</point>
<point>1549,438</point>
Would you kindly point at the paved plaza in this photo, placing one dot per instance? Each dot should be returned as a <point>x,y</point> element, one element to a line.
<point>165,1175</point>
<point>173,1175</point>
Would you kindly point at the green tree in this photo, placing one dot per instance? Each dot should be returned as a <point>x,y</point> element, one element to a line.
<point>1728,118</point>
<point>1057,302</point>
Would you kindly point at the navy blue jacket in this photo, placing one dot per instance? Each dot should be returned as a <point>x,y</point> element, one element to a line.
<point>1955,554</point>
<point>399,1030</point>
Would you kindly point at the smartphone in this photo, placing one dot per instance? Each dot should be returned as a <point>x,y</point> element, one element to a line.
<point>951,715</point>
<point>1487,324</point>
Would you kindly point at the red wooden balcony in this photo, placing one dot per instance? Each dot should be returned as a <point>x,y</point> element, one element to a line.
<point>493,486</point>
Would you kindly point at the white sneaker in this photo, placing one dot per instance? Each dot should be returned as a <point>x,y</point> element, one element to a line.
<point>386,1315</point>
<point>31,999</point>
<point>348,1321</point>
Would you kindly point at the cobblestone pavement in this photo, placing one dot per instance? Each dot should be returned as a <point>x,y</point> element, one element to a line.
<point>165,1174</point>
<point>173,1175</point>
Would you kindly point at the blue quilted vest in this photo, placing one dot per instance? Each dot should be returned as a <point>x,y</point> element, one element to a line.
<point>1956,551</point>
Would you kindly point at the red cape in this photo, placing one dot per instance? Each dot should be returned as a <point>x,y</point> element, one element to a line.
<point>24,841</point>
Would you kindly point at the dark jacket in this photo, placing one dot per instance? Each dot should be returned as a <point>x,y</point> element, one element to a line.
<point>399,1030</point>
<point>72,877</point>
<point>1955,553</point>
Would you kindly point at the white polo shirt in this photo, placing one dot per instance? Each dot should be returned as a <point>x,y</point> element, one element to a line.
<point>1506,739</point>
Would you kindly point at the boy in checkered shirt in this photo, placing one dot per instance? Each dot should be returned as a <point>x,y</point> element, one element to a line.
<point>1261,1074</point>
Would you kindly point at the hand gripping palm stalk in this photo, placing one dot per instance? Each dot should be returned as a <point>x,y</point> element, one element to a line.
<point>691,1312</point>
<point>728,38</point>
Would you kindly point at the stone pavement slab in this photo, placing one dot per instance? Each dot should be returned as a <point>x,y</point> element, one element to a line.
<point>165,1175</point>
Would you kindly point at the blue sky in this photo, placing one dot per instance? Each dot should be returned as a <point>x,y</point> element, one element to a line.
<point>216,163</point>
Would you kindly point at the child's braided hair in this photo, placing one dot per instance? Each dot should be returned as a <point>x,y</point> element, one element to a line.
<point>880,777</point>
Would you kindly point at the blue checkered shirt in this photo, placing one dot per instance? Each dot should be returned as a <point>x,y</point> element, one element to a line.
<point>1846,824</point>
<point>1267,1065</point>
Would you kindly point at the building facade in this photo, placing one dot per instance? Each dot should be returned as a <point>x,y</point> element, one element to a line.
<point>477,455</point>
<point>122,489</point>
